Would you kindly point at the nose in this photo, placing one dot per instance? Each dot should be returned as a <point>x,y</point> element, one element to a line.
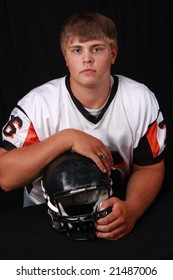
<point>87,58</point>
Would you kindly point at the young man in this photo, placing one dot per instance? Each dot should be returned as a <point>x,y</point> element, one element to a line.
<point>113,120</point>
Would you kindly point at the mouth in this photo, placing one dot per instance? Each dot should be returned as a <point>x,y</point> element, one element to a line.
<point>88,71</point>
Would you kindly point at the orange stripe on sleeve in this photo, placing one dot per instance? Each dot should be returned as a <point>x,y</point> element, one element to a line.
<point>152,139</point>
<point>31,137</point>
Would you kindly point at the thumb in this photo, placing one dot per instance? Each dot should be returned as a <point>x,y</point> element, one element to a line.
<point>108,203</point>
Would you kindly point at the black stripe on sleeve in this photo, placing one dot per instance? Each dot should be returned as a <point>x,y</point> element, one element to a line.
<point>143,154</point>
<point>7,145</point>
<point>20,108</point>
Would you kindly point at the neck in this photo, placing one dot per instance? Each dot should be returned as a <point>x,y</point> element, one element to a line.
<point>93,97</point>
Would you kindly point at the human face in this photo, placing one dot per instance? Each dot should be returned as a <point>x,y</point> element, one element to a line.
<point>89,62</point>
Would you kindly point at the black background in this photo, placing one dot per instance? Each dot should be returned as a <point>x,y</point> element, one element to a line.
<point>30,54</point>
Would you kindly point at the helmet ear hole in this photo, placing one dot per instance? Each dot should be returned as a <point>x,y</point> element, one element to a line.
<point>74,187</point>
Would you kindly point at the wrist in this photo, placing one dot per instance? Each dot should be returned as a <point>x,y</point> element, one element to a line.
<point>68,136</point>
<point>136,210</point>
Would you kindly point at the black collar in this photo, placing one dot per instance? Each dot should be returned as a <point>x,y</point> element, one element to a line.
<point>83,111</point>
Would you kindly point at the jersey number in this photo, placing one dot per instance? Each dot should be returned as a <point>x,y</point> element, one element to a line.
<point>11,127</point>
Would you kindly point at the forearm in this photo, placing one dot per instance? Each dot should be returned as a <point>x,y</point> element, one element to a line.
<point>21,166</point>
<point>143,187</point>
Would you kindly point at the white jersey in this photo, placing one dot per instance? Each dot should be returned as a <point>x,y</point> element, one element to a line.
<point>130,124</point>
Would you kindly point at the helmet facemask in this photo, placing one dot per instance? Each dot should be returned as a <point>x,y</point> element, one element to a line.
<point>75,209</point>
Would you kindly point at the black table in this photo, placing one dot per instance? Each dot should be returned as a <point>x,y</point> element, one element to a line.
<point>27,234</point>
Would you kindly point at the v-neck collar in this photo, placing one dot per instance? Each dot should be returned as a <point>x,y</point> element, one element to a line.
<point>84,112</point>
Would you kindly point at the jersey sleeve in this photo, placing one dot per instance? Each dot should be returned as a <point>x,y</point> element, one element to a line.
<point>19,130</point>
<point>151,146</point>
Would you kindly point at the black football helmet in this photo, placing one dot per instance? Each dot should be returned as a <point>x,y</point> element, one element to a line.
<point>74,187</point>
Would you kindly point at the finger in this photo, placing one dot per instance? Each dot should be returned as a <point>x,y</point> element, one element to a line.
<point>99,163</point>
<point>108,220</point>
<point>110,202</point>
<point>109,223</point>
<point>101,156</point>
<point>105,154</point>
<point>106,161</point>
<point>104,165</point>
<point>114,235</point>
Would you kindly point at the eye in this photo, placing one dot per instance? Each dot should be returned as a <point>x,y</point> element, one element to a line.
<point>97,49</point>
<point>76,50</point>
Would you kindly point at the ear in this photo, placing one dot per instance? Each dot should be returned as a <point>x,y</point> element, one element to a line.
<point>114,55</point>
<point>65,59</point>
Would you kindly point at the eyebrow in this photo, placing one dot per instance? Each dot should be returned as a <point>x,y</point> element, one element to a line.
<point>92,46</point>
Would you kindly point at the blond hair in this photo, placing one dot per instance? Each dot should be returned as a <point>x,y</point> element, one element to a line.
<point>88,26</point>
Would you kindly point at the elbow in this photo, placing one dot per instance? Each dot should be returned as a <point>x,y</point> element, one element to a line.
<point>6,186</point>
<point>9,184</point>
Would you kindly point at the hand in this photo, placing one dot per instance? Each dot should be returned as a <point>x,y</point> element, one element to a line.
<point>118,223</point>
<point>92,147</point>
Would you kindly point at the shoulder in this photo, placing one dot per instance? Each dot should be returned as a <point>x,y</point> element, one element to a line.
<point>131,90</point>
<point>131,85</point>
<point>138,101</point>
<point>42,103</point>
<point>44,91</point>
